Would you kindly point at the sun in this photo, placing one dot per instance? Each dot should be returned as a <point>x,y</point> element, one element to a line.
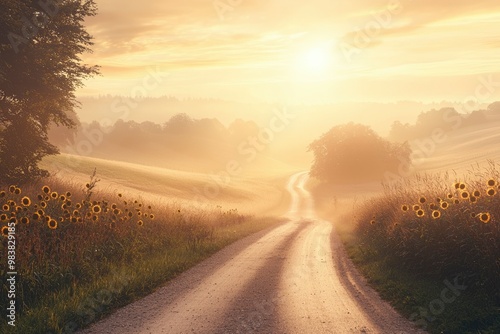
<point>315,60</point>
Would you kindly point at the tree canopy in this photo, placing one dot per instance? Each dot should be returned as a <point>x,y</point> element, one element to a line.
<point>354,153</point>
<point>40,69</point>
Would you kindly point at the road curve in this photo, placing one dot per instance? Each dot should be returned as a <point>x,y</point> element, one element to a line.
<point>293,278</point>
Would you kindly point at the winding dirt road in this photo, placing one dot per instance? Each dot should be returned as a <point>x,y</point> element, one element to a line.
<point>293,278</point>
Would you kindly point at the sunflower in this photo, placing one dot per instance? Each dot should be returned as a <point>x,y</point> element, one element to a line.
<point>152,216</point>
<point>6,207</point>
<point>114,206</point>
<point>464,195</point>
<point>74,219</point>
<point>96,208</point>
<point>25,220</point>
<point>3,217</point>
<point>5,231</point>
<point>422,200</point>
<point>68,194</point>
<point>52,224</point>
<point>462,186</point>
<point>416,207</point>
<point>492,183</point>
<point>450,196</point>
<point>404,207</point>
<point>46,189</point>
<point>456,201</point>
<point>140,223</point>
<point>26,201</point>
<point>485,217</point>
<point>433,206</point>
<point>17,191</point>
<point>436,214</point>
<point>420,213</point>
<point>476,193</point>
<point>473,199</point>
<point>12,189</point>
<point>491,192</point>
<point>62,197</point>
<point>54,195</point>
<point>456,185</point>
<point>43,204</point>
<point>69,202</point>
<point>78,206</point>
<point>116,211</point>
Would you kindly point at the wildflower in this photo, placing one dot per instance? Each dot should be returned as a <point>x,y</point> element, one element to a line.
<point>473,199</point>
<point>78,206</point>
<point>422,200</point>
<point>450,196</point>
<point>43,204</point>
<point>3,217</point>
<point>416,207</point>
<point>492,183</point>
<point>52,224</point>
<point>462,186</point>
<point>420,213</point>
<point>456,201</point>
<point>68,194</point>
<point>5,231</point>
<point>152,216</point>
<point>476,193</point>
<point>114,206</point>
<point>17,191</point>
<point>36,216</point>
<point>13,220</point>
<point>405,207</point>
<point>456,185</point>
<point>68,202</point>
<point>12,189</point>
<point>116,211</point>
<point>46,189</point>
<point>25,220</point>
<point>6,207</point>
<point>54,195</point>
<point>485,217</point>
<point>96,208</point>
<point>464,195</point>
<point>26,201</point>
<point>74,219</point>
<point>436,214</point>
<point>491,192</point>
<point>62,198</point>
<point>140,223</point>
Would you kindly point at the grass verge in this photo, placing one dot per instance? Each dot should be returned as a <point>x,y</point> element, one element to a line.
<point>81,253</point>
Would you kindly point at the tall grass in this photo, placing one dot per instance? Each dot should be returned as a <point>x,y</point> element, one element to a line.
<point>71,238</point>
<point>437,227</point>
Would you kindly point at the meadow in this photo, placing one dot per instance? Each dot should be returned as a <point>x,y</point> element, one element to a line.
<point>430,233</point>
<point>82,251</point>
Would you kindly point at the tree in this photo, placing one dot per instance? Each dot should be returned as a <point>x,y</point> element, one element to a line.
<point>353,153</point>
<point>40,69</point>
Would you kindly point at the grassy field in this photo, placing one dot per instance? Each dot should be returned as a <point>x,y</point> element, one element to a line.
<point>429,243</point>
<point>85,247</point>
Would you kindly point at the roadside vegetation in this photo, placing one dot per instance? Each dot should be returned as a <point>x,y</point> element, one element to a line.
<point>82,252</point>
<point>431,246</point>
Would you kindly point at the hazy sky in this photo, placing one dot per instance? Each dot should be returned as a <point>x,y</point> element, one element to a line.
<point>298,51</point>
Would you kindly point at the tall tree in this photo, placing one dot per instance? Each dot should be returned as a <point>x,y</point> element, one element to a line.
<point>40,68</point>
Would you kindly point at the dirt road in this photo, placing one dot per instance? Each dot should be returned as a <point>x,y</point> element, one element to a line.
<point>294,278</point>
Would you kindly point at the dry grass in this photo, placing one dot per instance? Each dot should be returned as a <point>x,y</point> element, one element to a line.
<point>70,236</point>
<point>437,227</point>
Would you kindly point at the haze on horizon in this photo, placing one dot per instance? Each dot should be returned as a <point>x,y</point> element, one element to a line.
<point>296,52</point>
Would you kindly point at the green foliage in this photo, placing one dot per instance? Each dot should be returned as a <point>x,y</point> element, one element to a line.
<point>40,69</point>
<point>355,153</point>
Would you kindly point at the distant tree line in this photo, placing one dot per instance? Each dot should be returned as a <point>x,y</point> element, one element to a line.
<point>445,119</point>
<point>179,142</point>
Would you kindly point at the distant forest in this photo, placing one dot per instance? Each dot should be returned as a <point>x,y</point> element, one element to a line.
<point>206,144</point>
<point>181,142</point>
